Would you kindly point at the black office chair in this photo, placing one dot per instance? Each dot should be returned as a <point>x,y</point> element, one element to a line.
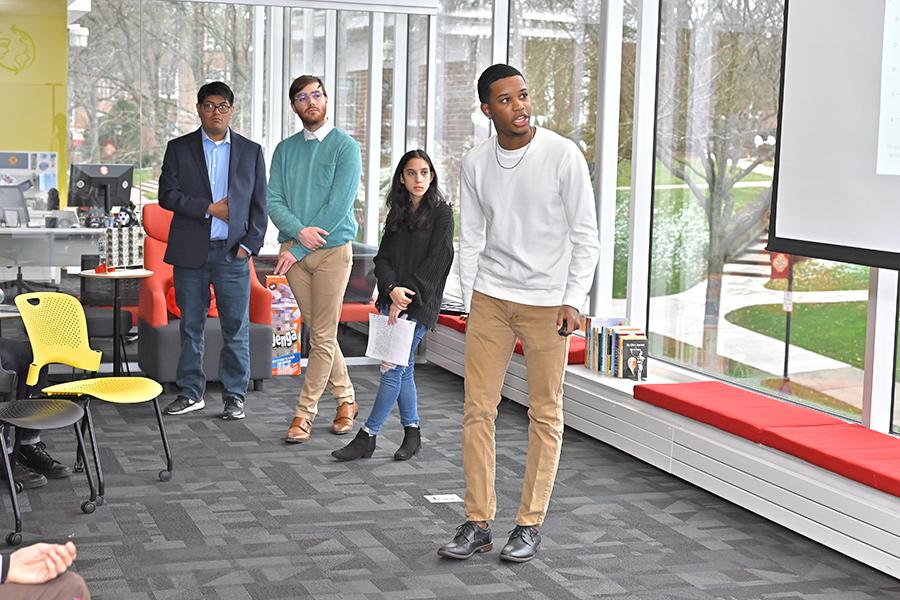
<point>35,414</point>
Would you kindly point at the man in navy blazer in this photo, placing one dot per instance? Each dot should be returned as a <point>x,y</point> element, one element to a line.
<point>214,180</point>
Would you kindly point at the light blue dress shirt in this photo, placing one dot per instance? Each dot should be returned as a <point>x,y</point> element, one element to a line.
<point>217,156</point>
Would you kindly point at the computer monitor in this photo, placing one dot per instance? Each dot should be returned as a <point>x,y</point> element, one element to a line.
<point>100,186</point>
<point>13,208</point>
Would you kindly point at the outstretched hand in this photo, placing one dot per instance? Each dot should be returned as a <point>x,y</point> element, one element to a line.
<point>39,563</point>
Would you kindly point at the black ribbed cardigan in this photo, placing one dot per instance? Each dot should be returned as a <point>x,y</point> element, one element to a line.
<point>420,260</point>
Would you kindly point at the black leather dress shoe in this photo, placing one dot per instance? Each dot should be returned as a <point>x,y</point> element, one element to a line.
<point>469,539</point>
<point>523,544</point>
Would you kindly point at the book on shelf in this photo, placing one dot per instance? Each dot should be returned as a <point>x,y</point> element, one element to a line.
<point>612,346</point>
<point>633,352</point>
<point>594,329</point>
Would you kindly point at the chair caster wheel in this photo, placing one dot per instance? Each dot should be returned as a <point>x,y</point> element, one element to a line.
<point>87,507</point>
<point>14,539</point>
<point>78,468</point>
<point>165,475</point>
<point>19,487</point>
<point>100,501</point>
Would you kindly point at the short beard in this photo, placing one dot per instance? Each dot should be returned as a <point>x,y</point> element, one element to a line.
<point>310,124</point>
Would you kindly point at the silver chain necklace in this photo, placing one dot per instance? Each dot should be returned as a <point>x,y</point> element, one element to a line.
<point>521,158</point>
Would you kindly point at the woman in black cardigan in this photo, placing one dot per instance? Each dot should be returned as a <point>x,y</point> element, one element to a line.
<point>411,266</point>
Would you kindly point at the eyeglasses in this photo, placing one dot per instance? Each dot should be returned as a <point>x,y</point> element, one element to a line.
<point>304,98</point>
<point>221,108</point>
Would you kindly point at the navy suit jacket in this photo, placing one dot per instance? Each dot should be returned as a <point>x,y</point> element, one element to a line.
<point>184,189</point>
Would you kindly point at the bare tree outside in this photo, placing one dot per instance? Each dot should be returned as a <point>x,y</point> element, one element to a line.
<point>133,86</point>
<point>720,64</point>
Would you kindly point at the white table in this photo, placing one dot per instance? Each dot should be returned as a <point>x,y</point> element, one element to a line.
<point>45,247</point>
<point>117,276</point>
<point>8,311</point>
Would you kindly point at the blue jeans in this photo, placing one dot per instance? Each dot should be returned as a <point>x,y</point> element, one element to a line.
<point>230,277</point>
<point>397,385</point>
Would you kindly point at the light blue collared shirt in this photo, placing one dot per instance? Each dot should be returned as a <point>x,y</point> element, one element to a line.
<point>217,155</point>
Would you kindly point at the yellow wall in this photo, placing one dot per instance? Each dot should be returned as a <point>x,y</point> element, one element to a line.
<point>34,55</point>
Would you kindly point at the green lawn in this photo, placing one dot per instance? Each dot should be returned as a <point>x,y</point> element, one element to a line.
<point>833,329</point>
<point>822,275</point>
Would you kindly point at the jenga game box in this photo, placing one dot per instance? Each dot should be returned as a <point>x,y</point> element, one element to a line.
<point>285,327</point>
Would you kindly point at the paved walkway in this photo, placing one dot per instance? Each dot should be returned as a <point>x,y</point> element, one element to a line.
<point>680,316</point>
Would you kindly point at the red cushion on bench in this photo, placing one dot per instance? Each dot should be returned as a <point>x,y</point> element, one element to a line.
<point>576,343</point>
<point>357,312</point>
<point>729,408</point>
<point>454,322</point>
<point>850,450</point>
<point>576,350</point>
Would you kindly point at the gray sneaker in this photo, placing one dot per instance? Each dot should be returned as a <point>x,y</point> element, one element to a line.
<point>234,409</point>
<point>184,404</point>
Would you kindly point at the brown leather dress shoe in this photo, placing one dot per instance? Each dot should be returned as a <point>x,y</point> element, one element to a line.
<point>343,420</point>
<point>299,431</point>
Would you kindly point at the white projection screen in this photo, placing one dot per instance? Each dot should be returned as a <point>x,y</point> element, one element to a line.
<point>836,192</point>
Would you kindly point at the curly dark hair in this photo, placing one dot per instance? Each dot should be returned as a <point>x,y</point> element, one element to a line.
<point>399,215</point>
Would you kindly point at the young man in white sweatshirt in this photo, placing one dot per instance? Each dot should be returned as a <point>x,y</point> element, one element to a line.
<point>528,248</point>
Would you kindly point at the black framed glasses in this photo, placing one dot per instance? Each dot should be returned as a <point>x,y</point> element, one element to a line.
<point>303,98</point>
<point>220,108</point>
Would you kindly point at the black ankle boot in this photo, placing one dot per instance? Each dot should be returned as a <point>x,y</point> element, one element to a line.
<point>412,441</point>
<point>362,446</point>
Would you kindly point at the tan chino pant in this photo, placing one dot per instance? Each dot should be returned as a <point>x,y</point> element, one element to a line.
<point>490,339</point>
<point>318,282</point>
<point>68,586</point>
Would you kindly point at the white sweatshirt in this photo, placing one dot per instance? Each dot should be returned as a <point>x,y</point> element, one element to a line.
<point>528,234</point>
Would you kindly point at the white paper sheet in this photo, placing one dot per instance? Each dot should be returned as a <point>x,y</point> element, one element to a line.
<point>390,343</point>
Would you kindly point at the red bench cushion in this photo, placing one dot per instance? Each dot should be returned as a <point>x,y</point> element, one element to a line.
<point>576,343</point>
<point>357,312</point>
<point>729,408</point>
<point>850,450</point>
<point>454,322</point>
<point>853,451</point>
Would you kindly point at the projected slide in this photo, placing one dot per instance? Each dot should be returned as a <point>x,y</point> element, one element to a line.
<point>836,193</point>
<point>889,118</point>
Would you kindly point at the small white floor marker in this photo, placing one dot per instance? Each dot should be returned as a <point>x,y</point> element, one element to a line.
<point>441,498</point>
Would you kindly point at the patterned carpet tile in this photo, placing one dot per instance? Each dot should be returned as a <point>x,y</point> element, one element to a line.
<point>247,517</point>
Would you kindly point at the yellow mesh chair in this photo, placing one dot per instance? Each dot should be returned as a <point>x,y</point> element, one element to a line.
<point>57,330</point>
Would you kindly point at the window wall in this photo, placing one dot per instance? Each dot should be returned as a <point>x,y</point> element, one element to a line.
<point>417,82</point>
<point>895,397</point>
<point>133,84</point>
<point>715,306</point>
<point>389,60</point>
<point>463,52</point>
<point>348,100</point>
<point>556,45</point>
<point>306,55</point>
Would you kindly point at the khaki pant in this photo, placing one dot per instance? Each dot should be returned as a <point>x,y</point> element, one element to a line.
<point>490,339</point>
<point>318,282</point>
<point>67,586</point>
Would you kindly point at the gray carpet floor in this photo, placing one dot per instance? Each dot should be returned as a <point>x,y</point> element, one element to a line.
<point>249,517</point>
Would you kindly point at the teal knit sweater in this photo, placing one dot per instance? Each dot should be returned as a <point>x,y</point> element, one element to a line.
<point>314,184</point>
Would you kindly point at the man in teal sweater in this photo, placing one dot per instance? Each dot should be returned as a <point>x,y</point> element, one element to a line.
<point>312,187</point>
